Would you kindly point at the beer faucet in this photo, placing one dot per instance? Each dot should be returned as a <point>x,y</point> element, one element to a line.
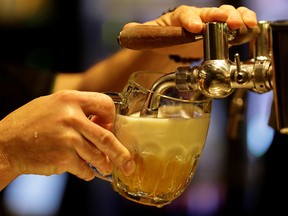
<point>217,76</point>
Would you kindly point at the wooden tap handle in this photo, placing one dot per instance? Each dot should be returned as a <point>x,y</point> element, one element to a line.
<point>150,37</point>
<point>141,37</point>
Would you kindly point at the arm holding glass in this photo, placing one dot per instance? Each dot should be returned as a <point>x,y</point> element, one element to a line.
<point>53,134</point>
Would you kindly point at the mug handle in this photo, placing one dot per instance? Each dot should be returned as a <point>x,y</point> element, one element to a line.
<point>117,98</point>
<point>100,175</point>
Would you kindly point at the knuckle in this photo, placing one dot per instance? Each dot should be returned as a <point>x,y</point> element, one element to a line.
<point>64,162</point>
<point>95,157</point>
<point>71,138</point>
<point>182,8</point>
<point>86,173</point>
<point>122,158</point>
<point>63,95</point>
<point>107,138</point>
<point>102,164</point>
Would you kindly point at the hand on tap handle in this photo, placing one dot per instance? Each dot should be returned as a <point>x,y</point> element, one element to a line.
<point>141,37</point>
<point>21,145</point>
<point>186,24</point>
<point>151,37</point>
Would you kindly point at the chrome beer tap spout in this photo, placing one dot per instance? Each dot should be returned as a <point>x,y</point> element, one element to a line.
<point>169,86</point>
<point>217,76</point>
<point>212,77</point>
<point>150,107</point>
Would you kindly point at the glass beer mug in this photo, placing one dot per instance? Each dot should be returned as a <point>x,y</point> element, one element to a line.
<point>165,132</point>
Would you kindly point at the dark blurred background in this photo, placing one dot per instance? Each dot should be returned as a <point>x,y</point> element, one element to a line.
<point>237,175</point>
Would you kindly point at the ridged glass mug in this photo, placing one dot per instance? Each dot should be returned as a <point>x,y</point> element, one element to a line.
<point>166,138</point>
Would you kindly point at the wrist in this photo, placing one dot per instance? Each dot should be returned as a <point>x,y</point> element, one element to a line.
<point>6,173</point>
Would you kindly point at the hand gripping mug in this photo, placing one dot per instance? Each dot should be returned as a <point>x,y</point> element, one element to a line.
<point>165,131</point>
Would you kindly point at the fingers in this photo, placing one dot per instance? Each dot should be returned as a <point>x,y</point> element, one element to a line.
<point>213,14</point>
<point>91,154</point>
<point>183,16</point>
<point>249,17</point>
<point>192,18</point>
<point>97,104</point>
<point>81,169</point>
<point>187,17</point>
<point>68,139</point>
<point>108,144</point>
<point>234,19</point>
<point>240,16</point>
<point>104,142</point>
<point>131,24</point>
<point>98,146</point>
<point>226,13</point>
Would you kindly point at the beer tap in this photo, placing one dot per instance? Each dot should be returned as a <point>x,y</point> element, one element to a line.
<point>217,76</point>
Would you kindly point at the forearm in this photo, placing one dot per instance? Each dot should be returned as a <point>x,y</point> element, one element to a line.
<point>113,73</point>
<point>6,174</point>
<point>5,179</point>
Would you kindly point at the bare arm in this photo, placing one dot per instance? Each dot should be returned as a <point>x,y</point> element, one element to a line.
<point>52,135</point>
<point>112,73</point>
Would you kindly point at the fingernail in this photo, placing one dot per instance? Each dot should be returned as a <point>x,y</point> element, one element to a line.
<point>196,26</point>
<point>197,22</point>
<point>129,167</point>
<point>106,172</point>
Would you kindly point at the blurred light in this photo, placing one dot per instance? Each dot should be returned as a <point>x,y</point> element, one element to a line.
<point>35,195</point>
<point>25,11</point>
<point>264,10</point>
<point>205,199</point>
<point>259,133</point>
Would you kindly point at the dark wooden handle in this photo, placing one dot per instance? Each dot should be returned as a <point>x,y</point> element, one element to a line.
<point>151,37</point>
<point>143,37</point>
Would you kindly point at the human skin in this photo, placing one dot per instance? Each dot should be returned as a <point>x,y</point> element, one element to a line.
<point>109,75</point>
<point>53,134</point>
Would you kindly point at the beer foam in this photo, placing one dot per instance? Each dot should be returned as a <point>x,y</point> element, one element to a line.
<point>161,135</point>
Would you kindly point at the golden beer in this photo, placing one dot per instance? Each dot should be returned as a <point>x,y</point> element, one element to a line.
<point>166,152</point>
